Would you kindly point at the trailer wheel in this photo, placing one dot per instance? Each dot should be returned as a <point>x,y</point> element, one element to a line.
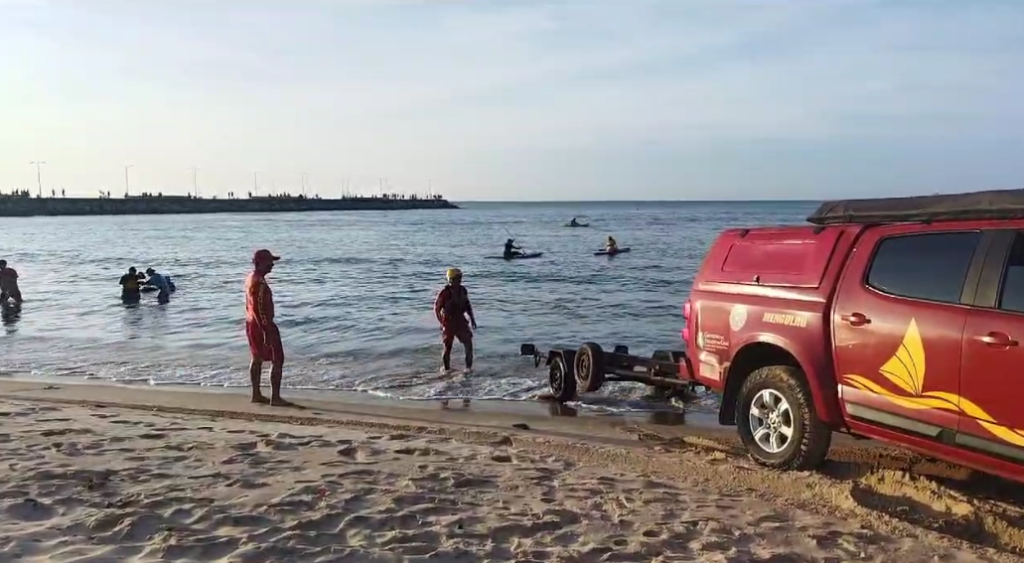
<point>561,380</point>
<point>776,420</point>
<point>589,367</point>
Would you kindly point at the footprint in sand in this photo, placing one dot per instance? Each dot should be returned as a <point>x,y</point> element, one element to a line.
<point>64,432</point>
<point>277,445</point>
<point>152,436</point>
<point>29,510</point>
<point>414,451</point>
<point>353,452</point>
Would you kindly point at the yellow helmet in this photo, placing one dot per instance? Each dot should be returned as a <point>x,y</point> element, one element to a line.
<point>453,273</point>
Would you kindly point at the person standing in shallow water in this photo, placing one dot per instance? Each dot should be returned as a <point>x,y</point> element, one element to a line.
<point>451,308</point>
<point>131,291</point>
<point>264,337</point>
<point>9,284</point>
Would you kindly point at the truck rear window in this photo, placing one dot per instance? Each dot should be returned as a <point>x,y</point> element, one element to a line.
<point>792,256</point>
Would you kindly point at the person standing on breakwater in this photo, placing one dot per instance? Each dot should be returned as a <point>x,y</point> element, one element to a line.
<point>451,308</point>
<point>9,284</point>
<point>264,337</point>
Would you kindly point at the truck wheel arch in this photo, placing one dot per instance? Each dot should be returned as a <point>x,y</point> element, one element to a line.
<point>748,359</point>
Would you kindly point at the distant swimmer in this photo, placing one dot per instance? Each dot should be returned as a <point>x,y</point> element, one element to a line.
<point>264,337</point>
<point>511,250</point>
<point>9,284</point>
<point>611,246</point>
<point>162,283</point>
<point>131,287</point>
<point>451,308</point>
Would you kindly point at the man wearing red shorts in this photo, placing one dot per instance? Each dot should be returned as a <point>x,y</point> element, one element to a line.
<point>264,338</point>
<point>451,308</point>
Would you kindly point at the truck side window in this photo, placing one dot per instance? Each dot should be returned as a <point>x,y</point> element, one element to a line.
<point>930,266</point>
<point>1011,297</point>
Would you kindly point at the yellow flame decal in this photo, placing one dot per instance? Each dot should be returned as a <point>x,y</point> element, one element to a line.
<point>905,370</point>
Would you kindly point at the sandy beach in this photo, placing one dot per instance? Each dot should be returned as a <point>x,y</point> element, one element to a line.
<point>171,478</point>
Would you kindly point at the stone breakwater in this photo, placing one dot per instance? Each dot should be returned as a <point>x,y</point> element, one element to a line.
<point>164,205</point>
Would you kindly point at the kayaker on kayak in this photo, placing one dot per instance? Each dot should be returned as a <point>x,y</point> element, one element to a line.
<point>511,250</point>
<point>574,223</point>
<point>611,246</point>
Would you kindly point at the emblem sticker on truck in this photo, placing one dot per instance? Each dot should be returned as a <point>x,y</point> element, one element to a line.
<point>738,317</point>
<point>712,342</point>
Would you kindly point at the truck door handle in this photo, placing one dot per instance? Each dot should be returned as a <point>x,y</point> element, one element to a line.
<point>856,319</point>
<point>996,340</point>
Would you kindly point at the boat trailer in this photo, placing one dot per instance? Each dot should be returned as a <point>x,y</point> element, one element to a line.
<point>586,369</point>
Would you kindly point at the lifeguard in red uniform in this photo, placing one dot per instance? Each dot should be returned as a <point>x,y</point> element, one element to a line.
<point>264,337</point>
<point>451,308</point>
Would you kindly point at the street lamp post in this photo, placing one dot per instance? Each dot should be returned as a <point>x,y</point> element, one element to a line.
<point>39,175</point>
<point>126,190</point>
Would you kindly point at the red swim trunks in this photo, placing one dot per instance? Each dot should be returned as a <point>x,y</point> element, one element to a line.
<point>264,342</point>
<point>460,332</point>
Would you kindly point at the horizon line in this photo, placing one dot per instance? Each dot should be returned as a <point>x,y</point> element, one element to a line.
<point>639,201</point>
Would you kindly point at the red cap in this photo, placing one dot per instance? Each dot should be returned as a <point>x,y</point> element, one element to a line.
<point>263,256</point>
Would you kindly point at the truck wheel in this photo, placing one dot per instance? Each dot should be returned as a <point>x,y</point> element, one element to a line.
<point>589,367</point>
<point>777,423</point>
<point>561,380</point>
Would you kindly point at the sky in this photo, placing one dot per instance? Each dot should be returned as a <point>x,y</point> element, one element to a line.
<point>514,99</point>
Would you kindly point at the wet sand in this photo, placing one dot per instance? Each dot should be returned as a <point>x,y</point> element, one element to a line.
<point>104,473</point>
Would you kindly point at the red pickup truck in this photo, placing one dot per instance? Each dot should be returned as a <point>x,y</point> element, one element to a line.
<point>894,319</point>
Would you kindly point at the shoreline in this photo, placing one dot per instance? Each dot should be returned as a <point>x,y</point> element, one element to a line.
<point>319,408</point>
<point>677,491</point>
<point>597,404</point>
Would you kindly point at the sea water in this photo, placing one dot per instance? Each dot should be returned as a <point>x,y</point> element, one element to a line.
<point>354,292</point>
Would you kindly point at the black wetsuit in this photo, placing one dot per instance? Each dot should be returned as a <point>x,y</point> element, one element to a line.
<point>130,287</point>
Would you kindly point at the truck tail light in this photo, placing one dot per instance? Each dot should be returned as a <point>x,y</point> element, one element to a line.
<point>687,309</point>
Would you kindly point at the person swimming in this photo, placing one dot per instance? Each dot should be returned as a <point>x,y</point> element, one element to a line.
<point>511,250</point>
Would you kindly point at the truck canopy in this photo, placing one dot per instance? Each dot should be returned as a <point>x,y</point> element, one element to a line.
<point>977,206</point>
<point>774,256</point>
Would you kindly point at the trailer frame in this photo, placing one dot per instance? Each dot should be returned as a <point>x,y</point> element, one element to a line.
<point>587,368</point>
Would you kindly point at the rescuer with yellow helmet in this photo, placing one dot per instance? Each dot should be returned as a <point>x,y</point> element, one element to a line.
<point>451,308</point>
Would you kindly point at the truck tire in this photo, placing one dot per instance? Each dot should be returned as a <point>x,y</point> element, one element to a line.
<point>773,402</point>
<point>589,367</point>
<point>561,380</point>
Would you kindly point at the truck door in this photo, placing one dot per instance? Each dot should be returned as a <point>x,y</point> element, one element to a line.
<point>897,324</point>
<point>993,354</point>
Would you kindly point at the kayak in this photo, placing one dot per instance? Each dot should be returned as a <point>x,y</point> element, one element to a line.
<point>577,225</point>
<point>519,257</point>
<point>607,253</point>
